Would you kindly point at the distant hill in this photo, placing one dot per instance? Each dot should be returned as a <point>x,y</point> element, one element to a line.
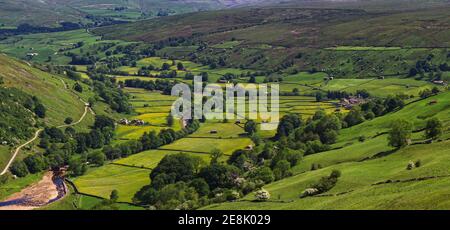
<point>52,12</point>
<point>278,38</point>
<point>295,27</point>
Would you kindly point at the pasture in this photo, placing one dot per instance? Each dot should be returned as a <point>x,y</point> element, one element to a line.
<point>43,85</point>
<point>101,181</point>
<point>364,164</point>
<point>206,145</point>
<point>356,188</point>
<point>151,107</point>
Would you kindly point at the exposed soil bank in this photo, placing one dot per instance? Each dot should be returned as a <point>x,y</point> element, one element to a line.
<point>50,189</point>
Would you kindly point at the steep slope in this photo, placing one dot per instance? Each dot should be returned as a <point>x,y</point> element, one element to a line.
<point>383,183</point>
<point>60,103</point>
<point>22,82</point>
<point>374,176</point>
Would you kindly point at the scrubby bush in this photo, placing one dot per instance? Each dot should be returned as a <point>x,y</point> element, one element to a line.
<point>418,163</point>
<point>309,192</point>
<point>362,138</point>
<point>262,195</point>
<point>410,165</point>
<point>315,166</point>
<point>327,183</point>
<point>68,120</point>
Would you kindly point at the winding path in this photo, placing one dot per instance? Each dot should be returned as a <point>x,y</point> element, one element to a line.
<point>36,135</point>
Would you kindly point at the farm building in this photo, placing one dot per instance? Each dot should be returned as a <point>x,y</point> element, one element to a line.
<point>124,121</point>
<point>439,82</point>
<point>348,103</point>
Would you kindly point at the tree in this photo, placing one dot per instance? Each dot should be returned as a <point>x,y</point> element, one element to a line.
<point>40,110</point>
<point>282,169</point>
<point>180,66</point>
<point>19,168</point>
<point>329,136</point>
<point>77,167</point>
<point>91,101</point>
<point>219,176</point>
<point>433,128</point>
<point>170,120</point>
<point>165,66</point>
<point>354,117</point>
<point>250,127</point>
<point>327,183</point>
<point>44,143</point>
<point>102,121</point>
<point>393,102</point>
<point>200,186</point>
<point>216,154</point>
<point>252,79</point>
<point>98,158</point>
<point>68,120</point>
<point>400,134</point>
<point>36,163</point>
<point>114,196</point>
<point>288,124</point>
<point>204,76</point>
<point>319,96</point>
<point>182,166</point>
<point>412,72</point>
<point>77,87</point>
<point>264,174</point>
<point>435,90</point>
<point>425,93</point>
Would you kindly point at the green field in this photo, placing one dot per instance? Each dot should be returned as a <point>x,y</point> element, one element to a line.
<point>151,107</point>
<point>378,87</point>
<point>46,45</point>
<point>394,54</point>
<point>365,163</point>
<point>73,201</point>
<point>17,185</point>
<point>363,48</point>
<point>357,184</point>
<point>101,181</point>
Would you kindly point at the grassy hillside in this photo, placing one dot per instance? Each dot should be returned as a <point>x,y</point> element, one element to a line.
<point>348,42</point>
<point>43,85</point>
<point>51,12</point>
<point>15,12</point>
<point>420,188</point>
<point>295,27</point>
<point>374,176</point>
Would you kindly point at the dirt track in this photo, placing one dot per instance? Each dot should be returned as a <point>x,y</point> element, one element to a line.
<point>18,150</point>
